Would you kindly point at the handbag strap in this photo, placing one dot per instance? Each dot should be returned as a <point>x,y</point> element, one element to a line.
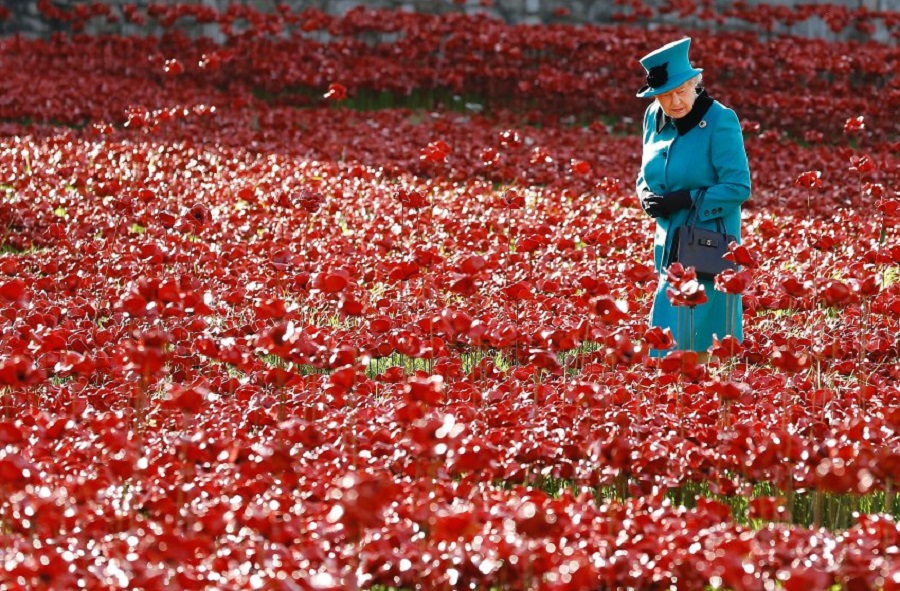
<point>695,210</point>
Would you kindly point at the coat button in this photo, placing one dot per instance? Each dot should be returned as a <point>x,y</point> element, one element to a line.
<point>663,187</point>
<point>665,153</point>
<point>706,212</point>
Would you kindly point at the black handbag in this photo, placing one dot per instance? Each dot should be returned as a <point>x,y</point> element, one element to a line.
<point>701,248</point>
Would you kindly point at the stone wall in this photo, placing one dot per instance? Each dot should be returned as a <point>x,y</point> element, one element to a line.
<point>26,18</point>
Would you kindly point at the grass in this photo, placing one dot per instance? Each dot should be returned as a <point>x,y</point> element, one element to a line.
<point>418,99</point>
<point>7,248</point>
<point>891,276</point>
<point>808,509</point>
<point>409,365</point>
<point>374,100</point>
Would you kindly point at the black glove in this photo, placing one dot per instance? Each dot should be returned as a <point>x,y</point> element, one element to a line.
<point>665,205</point>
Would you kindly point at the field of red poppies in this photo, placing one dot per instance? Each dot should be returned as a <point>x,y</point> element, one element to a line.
<point>360,302</point>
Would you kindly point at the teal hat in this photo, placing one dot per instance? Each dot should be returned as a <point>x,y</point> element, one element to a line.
<point>667,68</point>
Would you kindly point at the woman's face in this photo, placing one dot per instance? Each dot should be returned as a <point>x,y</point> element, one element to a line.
<point>678,102</point>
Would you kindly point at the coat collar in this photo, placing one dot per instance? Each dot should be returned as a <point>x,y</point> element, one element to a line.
<point>701,105</point>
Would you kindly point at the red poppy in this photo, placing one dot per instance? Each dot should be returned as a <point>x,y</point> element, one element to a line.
<point>684,287</point>
<point>336,92</point>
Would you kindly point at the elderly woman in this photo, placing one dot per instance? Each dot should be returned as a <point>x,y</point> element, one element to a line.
<point>691,142</point>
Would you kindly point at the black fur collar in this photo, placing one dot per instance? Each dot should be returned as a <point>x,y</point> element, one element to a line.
<point>701,105</point>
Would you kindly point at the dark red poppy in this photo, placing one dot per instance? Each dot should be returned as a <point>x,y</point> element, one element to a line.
<point>854,125</point>
<point>308,200</point>
<point>18,370</point>
<point>684,287</point>
<point>608,310</point>
<point>435,152</point>
<point>811,179</point>
<point>173,67</point>
<point>837,293</point>
<point>733,282</point>
<point>790,361</point>
<point>741,254</point>
<point>658,338</point>
<point>336,92</point>
<point>512,199</point>
<point>411,199</point>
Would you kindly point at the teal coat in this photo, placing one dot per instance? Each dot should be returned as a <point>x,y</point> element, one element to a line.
<point>707,152</point>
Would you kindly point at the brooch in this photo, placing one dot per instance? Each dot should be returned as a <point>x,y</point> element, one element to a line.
<point>702,123</point>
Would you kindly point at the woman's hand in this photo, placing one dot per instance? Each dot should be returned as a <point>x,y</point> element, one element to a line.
<point>663,206</point>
